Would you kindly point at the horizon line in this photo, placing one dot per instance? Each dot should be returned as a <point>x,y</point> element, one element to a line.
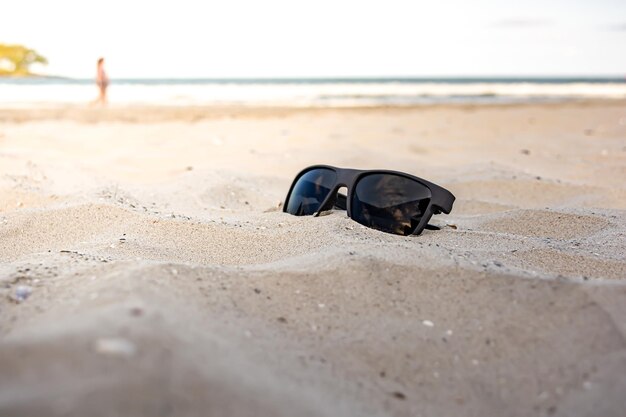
<point>340,78</point>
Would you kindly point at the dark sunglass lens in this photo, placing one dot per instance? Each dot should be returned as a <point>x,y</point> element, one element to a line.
<point>310,191</point>
<point>390,203</point>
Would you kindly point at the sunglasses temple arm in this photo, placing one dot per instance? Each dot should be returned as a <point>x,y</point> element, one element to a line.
<point>431,227</point>
<point>341,201</point>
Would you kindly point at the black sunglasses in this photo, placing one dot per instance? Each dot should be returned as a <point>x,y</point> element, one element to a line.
<point>389,201</point>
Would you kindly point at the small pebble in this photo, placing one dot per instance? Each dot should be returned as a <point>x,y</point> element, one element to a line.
<point>399,395</point>
<point>115,346</point>
<point>22,292</point>
<point>428,323</point>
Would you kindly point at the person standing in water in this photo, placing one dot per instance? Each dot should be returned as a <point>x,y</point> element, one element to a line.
<point>102,81</point>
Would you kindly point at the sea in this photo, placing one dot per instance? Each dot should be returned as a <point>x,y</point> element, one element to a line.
<point>309,92</point>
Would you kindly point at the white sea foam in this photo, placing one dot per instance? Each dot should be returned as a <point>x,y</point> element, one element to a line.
<point>20,94</point>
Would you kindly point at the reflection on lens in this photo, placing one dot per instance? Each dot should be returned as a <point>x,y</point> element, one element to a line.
<point>310,191</point>
<point>390,203</point>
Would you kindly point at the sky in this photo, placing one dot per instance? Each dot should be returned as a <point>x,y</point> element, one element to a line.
<point>322,38</point>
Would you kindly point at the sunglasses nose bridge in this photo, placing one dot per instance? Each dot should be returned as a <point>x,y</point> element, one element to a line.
<point>331,198</point>
<point>345,176</point>
<point>338,187</point>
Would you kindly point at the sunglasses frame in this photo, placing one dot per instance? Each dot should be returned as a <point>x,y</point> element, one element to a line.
<point>441,200</point>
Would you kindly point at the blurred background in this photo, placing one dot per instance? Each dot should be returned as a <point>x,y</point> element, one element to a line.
<point>312,53</point>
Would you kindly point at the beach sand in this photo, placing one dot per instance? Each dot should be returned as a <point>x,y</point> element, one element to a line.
<point>146,268</point>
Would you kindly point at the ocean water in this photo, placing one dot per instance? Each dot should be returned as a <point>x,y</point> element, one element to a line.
<point>52,92</point>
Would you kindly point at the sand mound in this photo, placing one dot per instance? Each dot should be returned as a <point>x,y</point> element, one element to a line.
<point>404,333</point>
<point>548,224</point>
<point>538,193</point>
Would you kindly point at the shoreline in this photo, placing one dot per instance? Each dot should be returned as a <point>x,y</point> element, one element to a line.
<point>151,113</point>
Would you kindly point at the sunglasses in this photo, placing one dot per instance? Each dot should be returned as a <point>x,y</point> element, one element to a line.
<point>389,201</point>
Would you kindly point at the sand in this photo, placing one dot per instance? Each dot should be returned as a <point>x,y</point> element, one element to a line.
<point>146,268</point>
